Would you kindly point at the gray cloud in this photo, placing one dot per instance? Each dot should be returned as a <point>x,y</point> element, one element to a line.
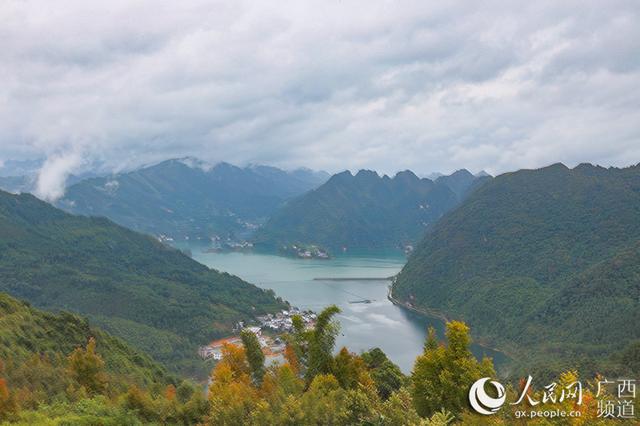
<point>340,84</point>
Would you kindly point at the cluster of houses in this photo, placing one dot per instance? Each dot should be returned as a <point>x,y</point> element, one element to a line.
<point>283,321</point>
<point>219,244</point>
<point>272,347</point>
<point>305,252</point>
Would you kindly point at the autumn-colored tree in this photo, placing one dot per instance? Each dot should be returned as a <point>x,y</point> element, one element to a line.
<point>235,357</point>
<point>7,402</point>
<point>254,354</point>
<point>170,393</point>
<point>39,378</point>
<point>232,398</point>
<point>292,358</point>
<point>279,384</point>
<point>442,375</point>
<point>87,368</point>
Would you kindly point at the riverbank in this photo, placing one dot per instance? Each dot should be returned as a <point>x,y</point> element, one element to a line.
<point>434,313</point>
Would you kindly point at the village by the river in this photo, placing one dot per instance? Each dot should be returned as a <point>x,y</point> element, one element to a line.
<point>269,333</point>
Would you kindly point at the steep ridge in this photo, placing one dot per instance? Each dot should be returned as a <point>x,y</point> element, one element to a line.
<point>539,261</point>
<point>365,211</point>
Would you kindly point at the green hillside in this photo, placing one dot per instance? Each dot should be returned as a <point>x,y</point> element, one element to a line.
<point>56,369</point>
<point>544,263</point>
<point>151,295</point>
<point>364,211</point>
<point>26,332</point>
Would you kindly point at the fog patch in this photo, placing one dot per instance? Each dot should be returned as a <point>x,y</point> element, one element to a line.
<point>52,177</point>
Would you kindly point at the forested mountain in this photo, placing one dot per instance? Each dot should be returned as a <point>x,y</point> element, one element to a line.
<point>541,262</point>
<point>187,197</point>
<point>151,295</point>
<point>365,210</point>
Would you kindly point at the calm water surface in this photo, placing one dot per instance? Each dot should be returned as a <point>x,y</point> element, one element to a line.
<point>399,333</point>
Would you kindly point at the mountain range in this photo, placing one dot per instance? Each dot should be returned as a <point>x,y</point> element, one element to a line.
<point>189,198</point>
<point>544,263</point>
<point>365,211</point>
<point>131,285</point>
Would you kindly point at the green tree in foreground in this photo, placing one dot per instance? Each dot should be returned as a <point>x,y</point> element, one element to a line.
<point>442,374</point>
<point>386,375</point>
<point>255,357</point>
<point>321,342</point>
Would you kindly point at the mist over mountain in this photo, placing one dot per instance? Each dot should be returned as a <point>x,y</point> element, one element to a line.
<point>365,211</point>
<point>190,198</point>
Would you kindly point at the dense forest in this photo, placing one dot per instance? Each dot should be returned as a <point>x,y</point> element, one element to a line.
<point>543,263</point>
<point>57,370</point>
<point>365,211</point>
<point>151,295</point>
<point>189,198</point>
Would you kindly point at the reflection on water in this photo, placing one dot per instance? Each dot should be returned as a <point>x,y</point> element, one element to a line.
<point>399,333</point>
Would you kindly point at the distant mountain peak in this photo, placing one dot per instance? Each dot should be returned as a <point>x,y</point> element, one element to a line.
<point>460,182</point>
<point>462,172</point>
<point>406,175</point>
<point>196,163</point>
<point>556,166</point>
<point>364,173</point>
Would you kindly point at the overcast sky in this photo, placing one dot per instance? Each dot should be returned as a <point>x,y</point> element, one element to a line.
<point>385,85</point>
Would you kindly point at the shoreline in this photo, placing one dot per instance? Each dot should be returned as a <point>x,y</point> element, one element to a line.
<point>434,313</point>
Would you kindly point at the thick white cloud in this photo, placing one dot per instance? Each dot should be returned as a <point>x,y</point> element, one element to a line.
<point>53,175</point>
<point>386,85</point>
